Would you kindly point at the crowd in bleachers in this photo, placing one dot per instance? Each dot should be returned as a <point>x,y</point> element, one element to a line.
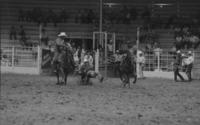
<point>19,34</point>
<point>112,15</point>
<point>42,16</point>
<point>186,37</point>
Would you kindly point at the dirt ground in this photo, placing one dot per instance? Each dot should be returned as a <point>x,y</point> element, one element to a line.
<point>36,100</point>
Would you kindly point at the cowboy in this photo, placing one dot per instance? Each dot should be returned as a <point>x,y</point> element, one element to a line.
<point>89,57</point>
<point>60,45</point>
<point>85,67</point>
<point>189,65</point>
<point>87,72</point>
<point>141,63</point>
<point>177,64</point>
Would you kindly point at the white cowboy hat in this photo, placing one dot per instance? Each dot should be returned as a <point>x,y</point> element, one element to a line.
<point>85,60</point>
<point>62,34</point>
<point>189,52</point>
<point>178,51</point>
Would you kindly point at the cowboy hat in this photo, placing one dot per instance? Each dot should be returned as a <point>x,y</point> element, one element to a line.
<point>85,60</point>
<point>189,52</point>
<point>62,34</point>
<point>178,51</point>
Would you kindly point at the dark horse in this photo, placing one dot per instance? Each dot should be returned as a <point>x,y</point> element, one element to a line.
<point>127,68</point>
<point>65,65</point>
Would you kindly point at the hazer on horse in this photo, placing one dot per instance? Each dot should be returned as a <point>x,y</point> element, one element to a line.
<point>127,68</point>
<point>63,61</point>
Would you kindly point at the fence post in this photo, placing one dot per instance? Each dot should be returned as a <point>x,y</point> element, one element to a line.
<point>39,60</point>
<point>97,61</point>
<point>13,57</point>
<point>158,64</point>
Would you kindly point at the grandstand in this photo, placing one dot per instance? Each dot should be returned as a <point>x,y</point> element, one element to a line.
<point>186,10</point>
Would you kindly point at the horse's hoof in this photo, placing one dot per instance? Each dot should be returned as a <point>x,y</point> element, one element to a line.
<point>57,83</point>
<point>101,80</point>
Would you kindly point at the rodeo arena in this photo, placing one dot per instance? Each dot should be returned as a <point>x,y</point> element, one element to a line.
<point>100,62</point>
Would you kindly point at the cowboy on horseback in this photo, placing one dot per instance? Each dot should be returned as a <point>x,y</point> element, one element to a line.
<point>63,61</point>
<point>60,45</point>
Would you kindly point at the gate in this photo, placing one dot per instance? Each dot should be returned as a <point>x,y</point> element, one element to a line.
<point>104,45</point>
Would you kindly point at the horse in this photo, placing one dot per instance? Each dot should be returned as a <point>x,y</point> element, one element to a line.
<point>127,67</point>
<point>65,66</point>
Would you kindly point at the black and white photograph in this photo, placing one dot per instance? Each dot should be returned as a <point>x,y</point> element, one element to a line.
<point>99,62</point>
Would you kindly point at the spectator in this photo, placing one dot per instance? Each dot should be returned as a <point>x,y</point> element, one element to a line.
<point>78,17</point>
<point>28,16</point>
<point>90,16</point>
<point>141,64</point>
<point>189,65</point>
<point>13,33</point>
<point>21,15</point>
<point>134,14</point>
<point>117,60</point>
<point>63,16</point>
<point>195,41</point>
<point>178,42</point>
<point>110,47</point>
<point>76,58</point>
<point>146,14</point>
<point>84,16</point>
<point>173,50</point>
<point>89,58</point>
<point>52,17</point>
<point>22,36</point>
<point>82,55</point>
<point>39,16</point>
<point>177,64</point>
<point>44,38</point>
<point>112,16</point>
<point>34,15</point>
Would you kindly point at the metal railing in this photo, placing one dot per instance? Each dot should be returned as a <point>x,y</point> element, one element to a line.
<point>159,61</point>
<point>20,56</point>
<point>163,60</point>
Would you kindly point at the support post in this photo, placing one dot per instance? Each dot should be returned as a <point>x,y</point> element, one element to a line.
<point>97,61</point>
<point>93,40</point>
<point>158,61</point>
<point>13,57</point>
<point>106,54</point>
<point>40,34</point>
<point>39,59</point>
<point>114,44</point>
<point>137,44</point>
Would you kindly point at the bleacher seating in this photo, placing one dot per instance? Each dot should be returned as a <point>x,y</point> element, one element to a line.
<point>9,14</point>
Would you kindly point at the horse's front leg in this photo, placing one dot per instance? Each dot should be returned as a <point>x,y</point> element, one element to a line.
<point>57,75</point>
<point>63,76</point>
<point>128,81</point>
<point>65,80</point>
<point>87,78</point>
<point>135,78</point>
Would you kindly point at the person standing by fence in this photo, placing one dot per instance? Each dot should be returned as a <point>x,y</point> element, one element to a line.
<point>189,65</point>
<point>141,62</point>
<point>177,65</point>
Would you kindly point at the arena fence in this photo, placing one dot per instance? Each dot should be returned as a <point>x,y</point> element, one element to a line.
<point>159,61</point>
<point>21,60</point>
<point>160,64</point>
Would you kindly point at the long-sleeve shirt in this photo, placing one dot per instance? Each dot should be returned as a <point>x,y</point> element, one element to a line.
<point>190,60</point>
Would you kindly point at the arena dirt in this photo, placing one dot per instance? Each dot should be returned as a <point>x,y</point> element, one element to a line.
<point>36,100</point>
